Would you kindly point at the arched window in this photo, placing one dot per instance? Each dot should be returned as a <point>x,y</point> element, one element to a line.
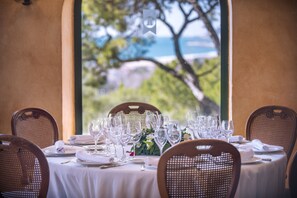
<point>188,13</point>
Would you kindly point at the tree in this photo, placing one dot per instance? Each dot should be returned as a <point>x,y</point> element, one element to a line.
<point>120,42</point>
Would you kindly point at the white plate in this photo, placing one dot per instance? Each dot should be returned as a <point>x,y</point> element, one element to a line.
<point>80,143</point>
<point>137,160</point>
<point>52,152</point>
<point>252,160</point>
<point>271,149</point>
<point>92,147</point>
<point>88,163</point>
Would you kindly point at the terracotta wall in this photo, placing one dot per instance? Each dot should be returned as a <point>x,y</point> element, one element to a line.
<point>30,58</point>
<point>34,55</point>
<point>264,56</point>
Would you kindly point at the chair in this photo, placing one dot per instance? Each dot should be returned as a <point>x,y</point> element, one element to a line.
<point>199,168</point>
<point>133,110</point>
<point>35,125</point>
<point>293,177</point>
<point>24,170</point>
<point>273,125</point>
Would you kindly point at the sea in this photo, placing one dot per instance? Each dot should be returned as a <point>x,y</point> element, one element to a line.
<point>190,46</point>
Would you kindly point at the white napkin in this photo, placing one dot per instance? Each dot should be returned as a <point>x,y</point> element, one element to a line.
<point>80,139</point>
<point>257,144</point>
<point>236,138</point>
<point>59,146</point>
<point>86,156</point>
<point>246,154</point>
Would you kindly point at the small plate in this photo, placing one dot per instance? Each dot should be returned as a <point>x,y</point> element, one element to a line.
<point>271,149</point>
<point>252,160</point>
<point>92,147</point>
<point>88,163</point>
<point>52,152</point>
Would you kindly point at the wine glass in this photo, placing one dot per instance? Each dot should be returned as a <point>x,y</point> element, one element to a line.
<point>227,127</point>
<point>136,134</point>
<point>124,138</point>
<point>95,130</point>
<point>160,138</point>
<point>173,133</point>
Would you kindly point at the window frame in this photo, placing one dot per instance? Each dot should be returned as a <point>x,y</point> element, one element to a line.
<point>225,106</point>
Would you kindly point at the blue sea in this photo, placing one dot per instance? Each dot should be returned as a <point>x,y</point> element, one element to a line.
<point>163,47</point>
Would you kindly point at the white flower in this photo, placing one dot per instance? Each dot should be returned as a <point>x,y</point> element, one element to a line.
<point>149,137</point>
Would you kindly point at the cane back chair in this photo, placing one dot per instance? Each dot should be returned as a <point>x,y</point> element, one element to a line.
<point>274,125</point>
<point>24,170</point>
<point>199,168</point>
<point>133,110</point>
<point>35,125</point>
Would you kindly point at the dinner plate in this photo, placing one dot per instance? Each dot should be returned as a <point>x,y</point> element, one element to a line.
<point>92,147</point>
<point>52,152</point>
<point>90,163</point>
<point>137,160</point>
<point>270,150</point>
<point>252,160</point>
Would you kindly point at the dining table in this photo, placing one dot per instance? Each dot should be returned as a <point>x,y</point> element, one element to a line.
<point>264,177</point>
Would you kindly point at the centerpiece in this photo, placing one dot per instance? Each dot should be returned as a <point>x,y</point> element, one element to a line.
<point>148,146</point>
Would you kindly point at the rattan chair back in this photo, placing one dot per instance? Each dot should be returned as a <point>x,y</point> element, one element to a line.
<point>24,170</point>
<point>275,125</point>
<point>199,168</point>
<point>35,125</point>
<point>293,177</point>
<point>133,111</point>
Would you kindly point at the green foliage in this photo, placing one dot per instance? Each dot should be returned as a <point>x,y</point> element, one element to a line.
<point>147,145</point>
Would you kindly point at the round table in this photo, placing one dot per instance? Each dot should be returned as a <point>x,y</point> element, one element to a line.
<point>71,179</point>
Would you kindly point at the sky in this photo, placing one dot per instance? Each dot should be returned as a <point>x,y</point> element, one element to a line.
<point>176,19</point>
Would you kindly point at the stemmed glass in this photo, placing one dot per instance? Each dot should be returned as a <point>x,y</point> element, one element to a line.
<point>95,130</point>
<point>160,138</point>
<point>227,127</point>
<point>136,134</point>
<point>173,133</point>
<point>124,138</point>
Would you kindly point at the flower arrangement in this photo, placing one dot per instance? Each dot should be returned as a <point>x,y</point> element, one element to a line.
<point>147,145</point>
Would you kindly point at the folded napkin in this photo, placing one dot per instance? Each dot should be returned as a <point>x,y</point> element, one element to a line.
<point>246,154</point>
<point>59,146</point>
<point>236,138</point>
<point>257,144</point>
<point>81,139</point>
<point>86,156</point>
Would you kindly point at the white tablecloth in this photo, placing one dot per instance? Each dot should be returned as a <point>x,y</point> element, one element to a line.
<point>264,179</point>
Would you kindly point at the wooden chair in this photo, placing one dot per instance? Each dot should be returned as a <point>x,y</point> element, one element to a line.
<point>274,125</point>
<point>133,110</point>
<point>35,125</point>
<point>199,168</point>
<point>24,170</point>
<point>293,177</point>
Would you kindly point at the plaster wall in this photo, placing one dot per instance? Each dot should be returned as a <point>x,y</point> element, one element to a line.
<point>31,58</point>
<point>264,56</point>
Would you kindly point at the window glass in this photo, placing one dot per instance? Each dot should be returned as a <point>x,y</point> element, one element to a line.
<point>166,53</point>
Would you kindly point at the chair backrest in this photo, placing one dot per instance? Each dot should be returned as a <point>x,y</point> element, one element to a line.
<point>273,125</point>
<point>24,170</point>
<point>293,177</point>
<point>133,110</point>
<point>35,125</point>
<point>199,168</point>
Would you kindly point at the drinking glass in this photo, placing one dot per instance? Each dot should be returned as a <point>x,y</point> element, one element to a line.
<point>160,138</point>
<point>227,127</point>
<point>173,133</point>
<point>124,138</point>
<point>136,133</point>
<point>95,130</point>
